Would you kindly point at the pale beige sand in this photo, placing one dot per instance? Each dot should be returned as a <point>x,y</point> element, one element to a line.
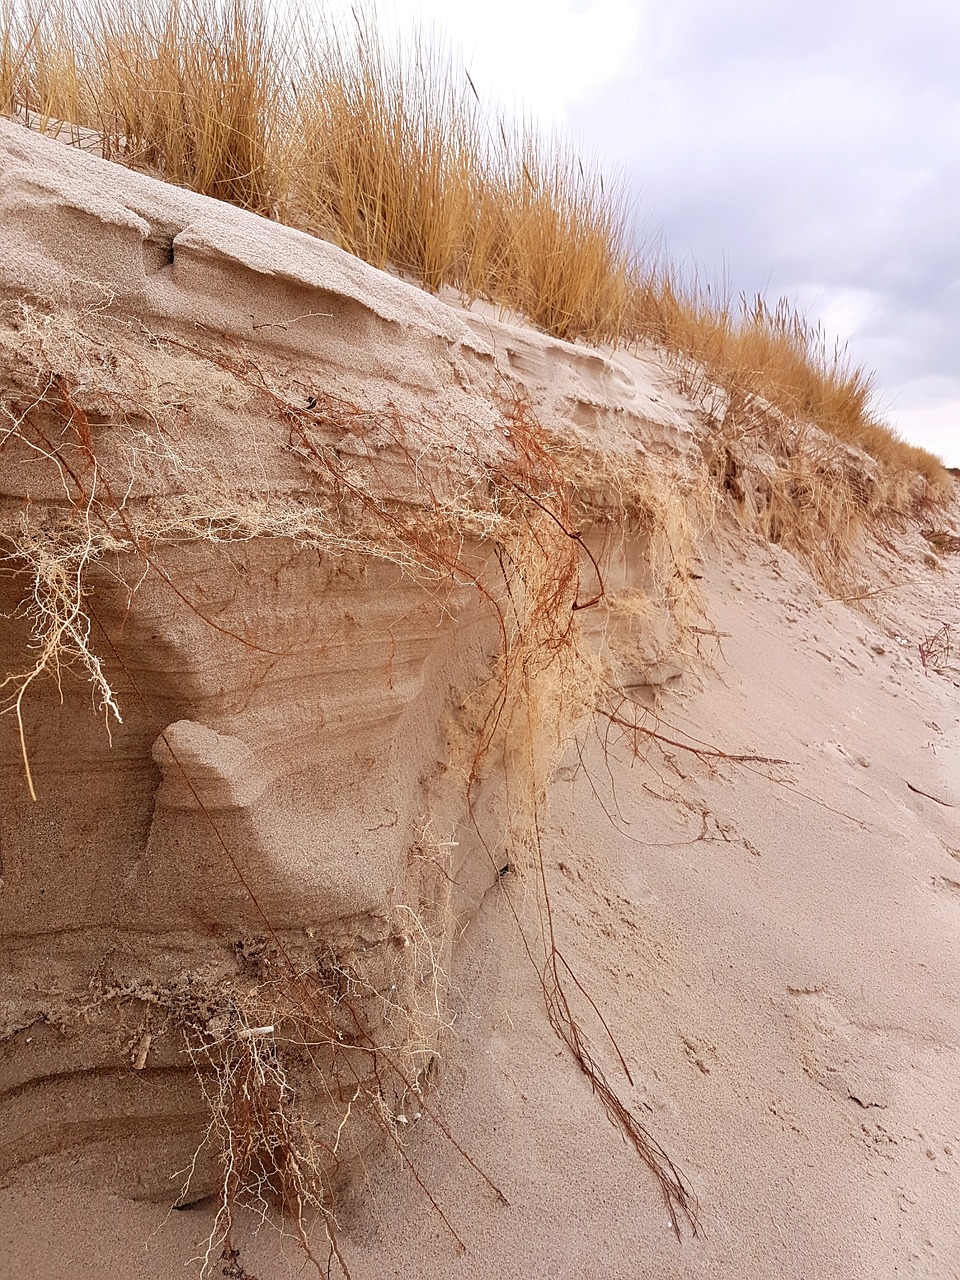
<point>784,986</point>
<point>775,948</point>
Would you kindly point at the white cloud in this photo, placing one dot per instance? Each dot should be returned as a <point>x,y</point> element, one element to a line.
<point>817,141</point>
<point>533,56</point>
<point>926,411</point>
<point>842,311</point>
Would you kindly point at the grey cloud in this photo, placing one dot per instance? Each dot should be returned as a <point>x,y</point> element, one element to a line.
<point>809,146</point>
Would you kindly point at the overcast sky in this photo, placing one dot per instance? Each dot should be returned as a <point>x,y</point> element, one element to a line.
<point>801,147</point>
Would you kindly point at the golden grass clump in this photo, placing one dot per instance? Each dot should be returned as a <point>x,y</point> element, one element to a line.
<point>383,161</point>
<point>188,91</point>
<point>766,358</point>
<point>384,150</point>
<point>387,150</point>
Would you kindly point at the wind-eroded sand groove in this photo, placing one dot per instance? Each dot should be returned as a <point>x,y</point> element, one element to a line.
<point>384,700</point>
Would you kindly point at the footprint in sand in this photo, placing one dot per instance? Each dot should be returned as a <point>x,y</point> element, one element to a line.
<point>700,1052</point>
<point>873,1069</point>
<point>854,1062</point>
<point>947,885</point>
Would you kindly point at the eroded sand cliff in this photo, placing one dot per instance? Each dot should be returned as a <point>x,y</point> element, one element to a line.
<point>314,587</point>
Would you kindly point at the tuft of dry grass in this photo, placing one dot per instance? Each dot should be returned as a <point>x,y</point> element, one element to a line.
<point>764,358</point>
<point>937,650</point>
<point>395,159</point>
<point>382,160</point>
<point>944,541</point>
<point>793,440</point>
<point>189,91</point>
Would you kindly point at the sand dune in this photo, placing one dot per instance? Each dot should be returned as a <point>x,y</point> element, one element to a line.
<point>411,673</point>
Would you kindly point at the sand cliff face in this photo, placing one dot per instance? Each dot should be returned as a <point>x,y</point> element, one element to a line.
<point>292,643</point>
<point>378,748</point>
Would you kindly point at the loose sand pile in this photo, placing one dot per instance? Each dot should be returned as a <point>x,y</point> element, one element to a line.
<point>489,825</point>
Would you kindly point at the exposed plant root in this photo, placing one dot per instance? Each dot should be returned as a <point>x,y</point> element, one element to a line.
<point>937,650</point>
<point>267,1152</point>
<point>54,608</point>
<point>680,1201</point>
